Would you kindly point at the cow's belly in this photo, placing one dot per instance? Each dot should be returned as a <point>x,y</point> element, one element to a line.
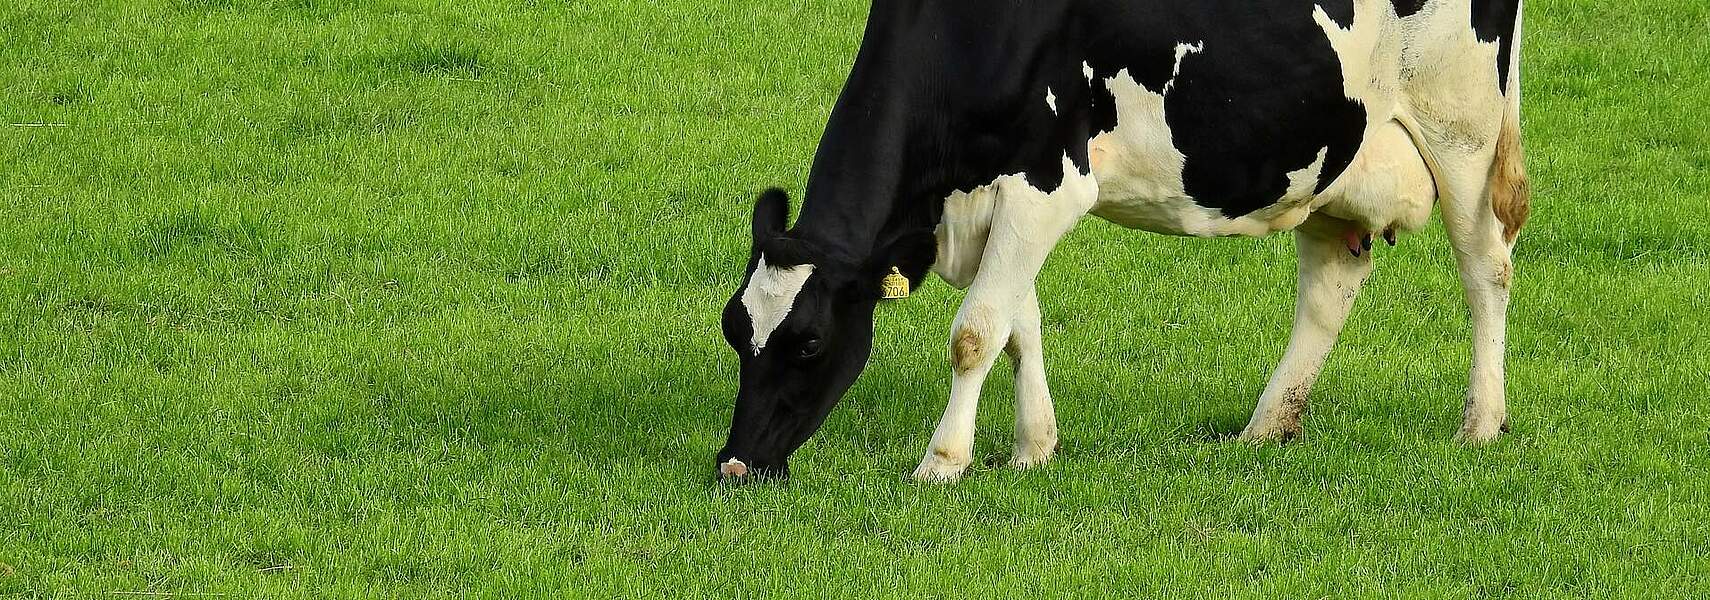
<point>1140,187</point>
<point>1139,169</point>
<point>1138,201</point>
<point>1141,172</point>
<point>1387,186</point>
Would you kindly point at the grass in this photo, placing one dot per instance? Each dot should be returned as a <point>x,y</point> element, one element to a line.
<point>418,298</point>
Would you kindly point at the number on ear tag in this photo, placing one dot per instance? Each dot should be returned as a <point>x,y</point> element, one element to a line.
<point>895,285</point>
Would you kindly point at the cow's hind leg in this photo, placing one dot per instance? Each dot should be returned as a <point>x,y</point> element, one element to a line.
<point>1486,271</point>
<point>1330,279</point>
<point>1483,213</point>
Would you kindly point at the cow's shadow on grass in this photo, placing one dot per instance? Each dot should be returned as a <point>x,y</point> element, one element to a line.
<point>1225,426</point>
<point>654,418</point>
<point>670,417</point>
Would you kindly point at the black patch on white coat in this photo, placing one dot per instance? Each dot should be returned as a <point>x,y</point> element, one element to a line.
<point>1260,100</point>
<point>1406,8</point>
<point>1491,19</point>
<point>1494,21</point>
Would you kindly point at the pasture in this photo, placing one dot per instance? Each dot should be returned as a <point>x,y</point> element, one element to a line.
<point>419,298</point>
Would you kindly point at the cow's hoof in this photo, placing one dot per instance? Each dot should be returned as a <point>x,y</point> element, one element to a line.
<point>1481,432</point>
<point>938,467</point>
<point>1270,435</point>
<point>1032,454</point>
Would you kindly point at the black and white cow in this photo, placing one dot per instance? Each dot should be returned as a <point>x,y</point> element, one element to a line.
<point>972,135</point>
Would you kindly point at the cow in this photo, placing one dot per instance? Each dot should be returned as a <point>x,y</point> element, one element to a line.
<point>971,136</point>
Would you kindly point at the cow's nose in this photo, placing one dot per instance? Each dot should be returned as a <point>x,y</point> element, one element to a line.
<point>733,471</point>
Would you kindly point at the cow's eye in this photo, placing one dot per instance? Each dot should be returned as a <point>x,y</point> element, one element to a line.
<point>810,348</point>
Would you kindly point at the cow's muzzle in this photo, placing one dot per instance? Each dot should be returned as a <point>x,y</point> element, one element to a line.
<point>734,471</point>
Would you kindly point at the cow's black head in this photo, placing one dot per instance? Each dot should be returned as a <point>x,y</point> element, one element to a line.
<point>802,327</point>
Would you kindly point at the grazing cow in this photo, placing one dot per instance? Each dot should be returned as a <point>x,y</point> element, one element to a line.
<point>971,136</point>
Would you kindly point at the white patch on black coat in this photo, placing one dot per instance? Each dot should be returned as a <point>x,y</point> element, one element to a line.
<point>962,234</point>
<point>770,295</point>
<point>1182,51</point>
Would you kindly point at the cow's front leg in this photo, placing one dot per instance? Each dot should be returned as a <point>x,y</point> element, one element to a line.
<point>1330,278</point>
<point>972,356</point>
<point>1026,225</point>
<point>981,325</point>
<point>1035,418</point>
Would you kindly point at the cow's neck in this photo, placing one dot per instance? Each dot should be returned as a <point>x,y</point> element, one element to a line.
<point>863,191</point>
<point>888,156</point>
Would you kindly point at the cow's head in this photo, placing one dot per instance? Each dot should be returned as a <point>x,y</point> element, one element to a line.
<point>802,328</point>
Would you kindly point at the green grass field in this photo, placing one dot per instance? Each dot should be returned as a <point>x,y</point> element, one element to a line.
<point>419,298</point>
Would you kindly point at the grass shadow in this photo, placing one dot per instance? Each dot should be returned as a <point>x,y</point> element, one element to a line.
<point>443,60</point>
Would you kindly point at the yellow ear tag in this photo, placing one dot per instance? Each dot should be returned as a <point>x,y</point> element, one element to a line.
<point>895,285</point>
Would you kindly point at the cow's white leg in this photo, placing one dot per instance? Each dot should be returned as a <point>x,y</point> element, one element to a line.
<point>1026,225</point>
<point>1330,279</point>
<point>979,323</point>
<point>1486,270</point>
<point>1035,418</point>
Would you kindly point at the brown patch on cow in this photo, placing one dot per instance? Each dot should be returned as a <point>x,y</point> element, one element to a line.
<point>942,454</point>
<point>1505,275</point>
<point>1511,191</point>
<point>968,347</point>
<point>965,351</point>
<point>1293,409</point>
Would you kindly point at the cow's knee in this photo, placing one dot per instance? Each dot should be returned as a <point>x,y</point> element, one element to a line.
<point>976,339</point>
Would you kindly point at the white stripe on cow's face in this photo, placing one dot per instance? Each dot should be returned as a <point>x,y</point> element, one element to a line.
<point>770,295</point>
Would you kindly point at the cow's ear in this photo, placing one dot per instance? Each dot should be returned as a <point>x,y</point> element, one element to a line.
<point>771,215</point>
<point>912,254</point>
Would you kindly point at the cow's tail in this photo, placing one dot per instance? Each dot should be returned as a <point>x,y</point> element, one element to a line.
<point>1511,192</point>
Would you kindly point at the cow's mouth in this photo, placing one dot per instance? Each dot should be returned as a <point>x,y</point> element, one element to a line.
<point>735,471</point>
